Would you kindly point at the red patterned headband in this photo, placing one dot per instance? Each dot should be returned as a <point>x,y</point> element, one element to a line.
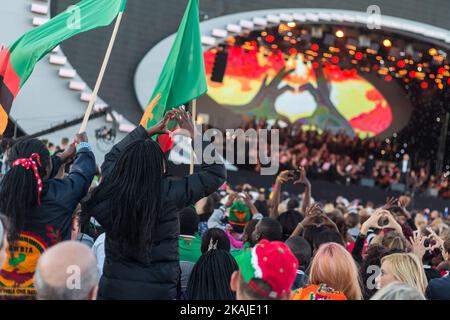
<point>28,163</point>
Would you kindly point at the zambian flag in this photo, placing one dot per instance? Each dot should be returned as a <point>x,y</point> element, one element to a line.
<point>183,77</point>
<point>18,61</point>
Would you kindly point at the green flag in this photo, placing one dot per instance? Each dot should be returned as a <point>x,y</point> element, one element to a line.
<point>183,77</point>
<point>18,61</point>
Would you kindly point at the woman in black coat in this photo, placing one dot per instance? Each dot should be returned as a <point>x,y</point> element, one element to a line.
<point>138,207</point>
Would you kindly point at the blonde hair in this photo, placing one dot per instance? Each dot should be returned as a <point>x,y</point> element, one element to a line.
<point>334,266</point>
<point>408,269</point>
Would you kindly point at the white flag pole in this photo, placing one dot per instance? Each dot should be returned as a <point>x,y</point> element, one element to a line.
<point>101,74</point>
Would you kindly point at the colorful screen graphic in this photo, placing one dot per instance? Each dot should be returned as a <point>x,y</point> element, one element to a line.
<point>268,84</point>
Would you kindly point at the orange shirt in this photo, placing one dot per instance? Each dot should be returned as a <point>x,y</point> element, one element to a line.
<point>317,292</point>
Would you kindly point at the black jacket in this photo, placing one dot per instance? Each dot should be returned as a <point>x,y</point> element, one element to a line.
<point>47,224</point>
<point>124,278</point>
<point>439,289</point>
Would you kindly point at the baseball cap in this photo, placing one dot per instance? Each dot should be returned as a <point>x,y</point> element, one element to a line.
<point>273,262</point>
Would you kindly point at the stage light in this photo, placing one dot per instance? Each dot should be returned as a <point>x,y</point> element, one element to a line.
<point>359,56</point>
<point>291,24</point>
<point>401,64</point>
<point>270,38</point>
<point>340,34</point>
<point>315,47</point>
<point>387,43</point>
<point>433,52</point>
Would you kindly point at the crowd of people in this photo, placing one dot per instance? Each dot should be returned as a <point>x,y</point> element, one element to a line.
<point>128,230</point>
<point>348,160</point>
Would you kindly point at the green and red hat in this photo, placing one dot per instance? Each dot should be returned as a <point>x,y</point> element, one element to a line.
<point>239,214</point>
<point>272,262</point>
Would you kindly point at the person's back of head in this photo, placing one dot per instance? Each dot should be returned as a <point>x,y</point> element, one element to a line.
<point>64,143</point>
<point>394,240</point>
<point>267,229</point>
<point>301,249</point>
<point>289,221</point>
<point>398,291</point>
<point>352,220</point>
<point>188,222</point>
<point>267,272</point>
<point>327,236</point>
<point>210,277</point>
<point>215,238</point>
<point>22,186</point>
<point>67,271</point>
<point>334,266</point>
<point>131,194</point>
<point>248,231</point>
<point>292,204</point>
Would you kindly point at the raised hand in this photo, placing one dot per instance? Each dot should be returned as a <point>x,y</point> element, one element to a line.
<point>390,202</point>
<point>315,209</point>
<point>439,241</point>
<point>418,244</point>
<point>302,179</point>
<point>81,137</point>
<point>374,221</point>
<point>162,126</point>
<point>69,153</point>
<point>284,176</point>
<point>185,122</point>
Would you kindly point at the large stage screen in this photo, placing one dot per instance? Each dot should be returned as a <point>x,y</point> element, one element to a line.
<point>269,84</point>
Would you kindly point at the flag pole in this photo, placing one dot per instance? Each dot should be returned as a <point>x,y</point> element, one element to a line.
<point>194,117</point>
<point>101,74</point>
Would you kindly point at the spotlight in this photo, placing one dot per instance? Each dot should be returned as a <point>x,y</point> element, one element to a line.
<point>424,85</point>
<point>387,43</point>
<point>401,64</point>
<point>359,56</point>
<point>270,38</point>
<point>340,34</point>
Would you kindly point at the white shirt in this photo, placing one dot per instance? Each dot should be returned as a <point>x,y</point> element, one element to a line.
<point>99,251</point>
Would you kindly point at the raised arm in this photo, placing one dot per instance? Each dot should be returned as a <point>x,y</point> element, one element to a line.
<point>208,177</point>
<point>77,182</point>
<point>276,194</point>
<point>137,134</point>
<point>306,203</point>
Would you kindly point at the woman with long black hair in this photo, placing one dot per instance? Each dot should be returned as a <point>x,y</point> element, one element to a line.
<point>39,208</point>
<point>210,278</point>
<point>138,205</point>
